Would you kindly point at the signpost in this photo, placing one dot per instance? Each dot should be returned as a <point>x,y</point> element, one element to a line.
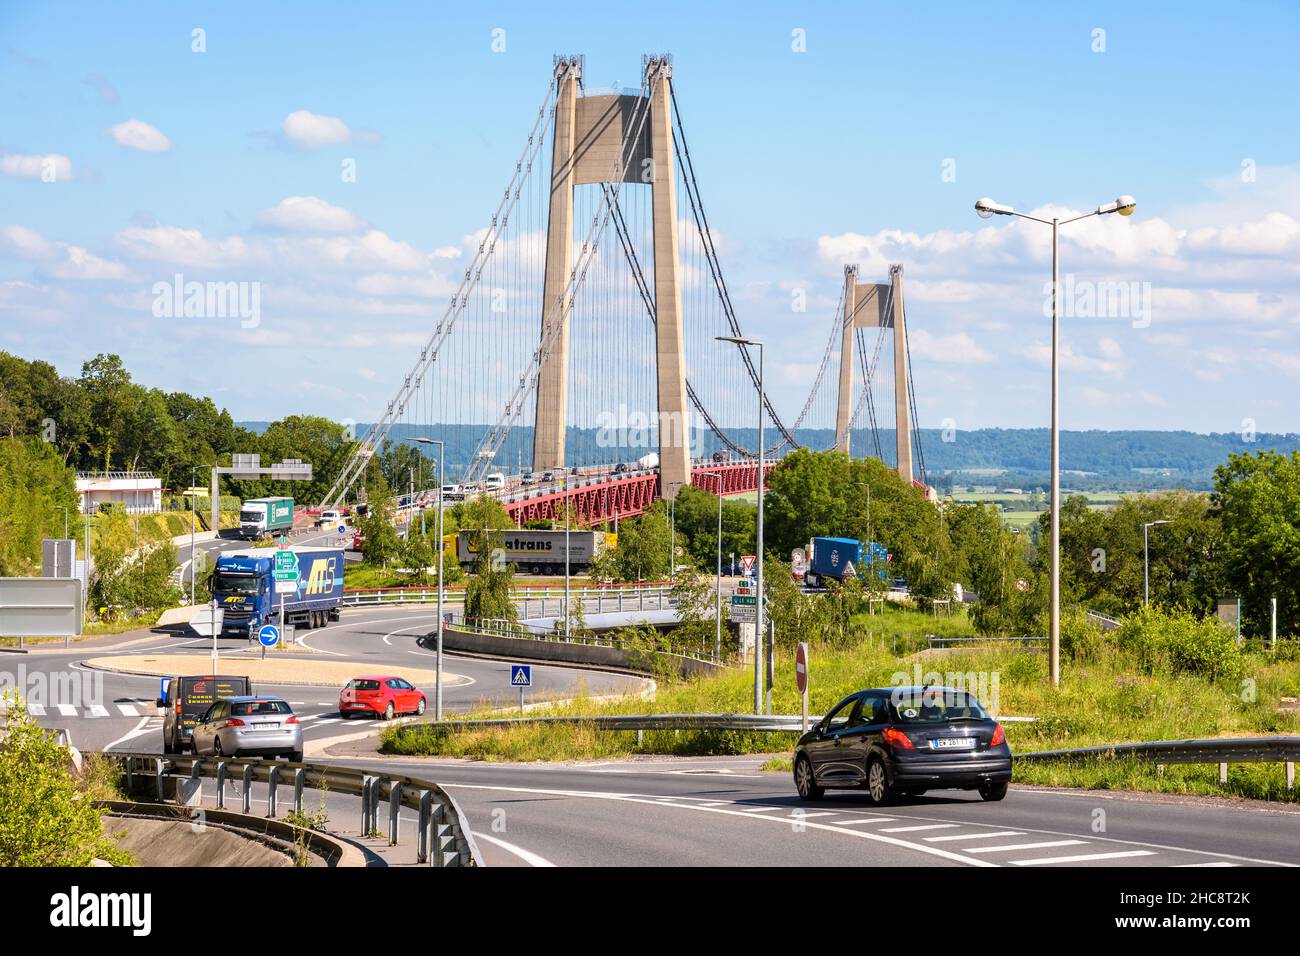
<point>268,636</point>
<point>40,607</point>
<point>798,562</point>
<point>207,622</point>
<point>744,608</point>
<point>286,576</point>
<point>747,562</point>
<point>801,680</point>
<point>521,676</point>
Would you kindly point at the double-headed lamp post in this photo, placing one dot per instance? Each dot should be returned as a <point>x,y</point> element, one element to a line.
<point>437,689</point>
<point>986,208</point>
<point>758,551</point>
<point>1146,561</point>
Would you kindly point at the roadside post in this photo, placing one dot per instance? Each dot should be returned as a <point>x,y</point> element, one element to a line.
<point>801,680</point>
<point>521,676</point>
<point>268,636</point>
<point>207,622</point>
<point>286,578</point>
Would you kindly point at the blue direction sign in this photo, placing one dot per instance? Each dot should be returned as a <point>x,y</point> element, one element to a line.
<point>269,635</point>
<point>521,675</point>
<point>342,528</point>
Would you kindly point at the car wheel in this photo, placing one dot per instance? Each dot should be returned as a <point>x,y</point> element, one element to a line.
<point>878,789</point>
<point>993,791</point>
<point>295,756</point>
<point>419,711</point>
<point>388,711</point>
<point>804,781</point>
<point>216,748</point>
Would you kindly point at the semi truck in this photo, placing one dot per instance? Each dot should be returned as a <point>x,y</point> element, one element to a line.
<point>260,517</point>
<point>244,587</point>
<point>540,552</point>
<point>838,558</point>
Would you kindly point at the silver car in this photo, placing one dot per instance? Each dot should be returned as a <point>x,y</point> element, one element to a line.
<point>249,726</point>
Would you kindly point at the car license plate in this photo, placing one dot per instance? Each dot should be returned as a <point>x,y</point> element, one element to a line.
<point>953,743</point>
<point>268,725</point>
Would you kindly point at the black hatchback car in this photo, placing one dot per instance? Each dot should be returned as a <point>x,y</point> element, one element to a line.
<point>904,740</point>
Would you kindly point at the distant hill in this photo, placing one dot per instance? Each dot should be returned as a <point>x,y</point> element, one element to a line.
<point>1119,460</point>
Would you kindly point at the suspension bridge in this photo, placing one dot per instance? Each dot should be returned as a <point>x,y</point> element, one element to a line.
<point>582,343</point>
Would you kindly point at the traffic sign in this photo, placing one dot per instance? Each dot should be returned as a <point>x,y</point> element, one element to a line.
<point>801,667</point>
<point>747,562</point>
<point>521,675</point>
<point>286,562</point>
<point>207,621</point>
<point>342,528</point>
<point>744,608</point>
<point>286,585</point>
<point>269,635</point>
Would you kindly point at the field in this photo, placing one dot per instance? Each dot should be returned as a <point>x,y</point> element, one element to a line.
<point>1018,510</point>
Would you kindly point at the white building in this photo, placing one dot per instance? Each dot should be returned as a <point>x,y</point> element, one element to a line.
<point>138,492</point>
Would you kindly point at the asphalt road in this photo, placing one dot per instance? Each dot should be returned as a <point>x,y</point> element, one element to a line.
<point>110,711</point>
<point>727,812</point>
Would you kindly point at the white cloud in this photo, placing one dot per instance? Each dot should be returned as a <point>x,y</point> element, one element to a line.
<point>309,214</point>
<point>57,260</point>
<point>958,348</point>
<point>50,167</point>
<point>313,130</point>
<point>137,134</point>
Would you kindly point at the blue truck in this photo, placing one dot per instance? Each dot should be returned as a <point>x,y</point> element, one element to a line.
<point>244,587</point>
<point>837,558</point>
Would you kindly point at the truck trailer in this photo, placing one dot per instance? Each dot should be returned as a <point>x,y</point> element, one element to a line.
<point>259,517</point>
<point>244,586</point>
<point>540,552</point>
<point>838,558</point>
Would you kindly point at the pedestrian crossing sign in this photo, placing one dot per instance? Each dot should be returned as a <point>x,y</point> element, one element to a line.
<point>521,675</point>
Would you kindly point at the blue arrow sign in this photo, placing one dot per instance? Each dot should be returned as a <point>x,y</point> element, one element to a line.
<point>269,635</point>
<point>521,675</point>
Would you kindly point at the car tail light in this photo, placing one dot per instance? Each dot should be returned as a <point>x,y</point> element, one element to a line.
<point>233,722</point>
<point>292,720</point>
<point>999,736</point>
<point>897,738</point>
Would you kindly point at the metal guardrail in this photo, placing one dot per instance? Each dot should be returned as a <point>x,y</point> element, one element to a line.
<point>444,838</point>
<point>939,640</point>
<point>501,628</point>
<point>767,723</point>
<point>613,597</point>
<point>1220,750</point>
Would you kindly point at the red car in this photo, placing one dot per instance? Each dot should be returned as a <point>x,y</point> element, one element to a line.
<point>381,697</point>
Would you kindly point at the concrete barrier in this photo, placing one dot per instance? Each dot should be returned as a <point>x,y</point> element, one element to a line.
<point>604,656</point>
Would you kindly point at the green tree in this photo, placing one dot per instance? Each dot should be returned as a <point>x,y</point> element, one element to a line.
<point>34,484</point>
<point>487,592</point>
<point>379,541</point>
<point>643,545</point>
<point>45,819</point>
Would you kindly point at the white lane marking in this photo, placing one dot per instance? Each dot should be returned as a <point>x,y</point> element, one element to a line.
<point>140,728</point>
<point>127,710</point>
<point>973,836</point>
<point>66,710</point>
<point>98,710</point>
<point>649,800</point>
<point>928,826</point>
<point>797,814</point>
<point>1024,846</point>
<point>1213,863</point>
<point>1084,856</point>
<point>858,823</point>
<point>762,809</point>
<point>36,710</point>
<point>528,856</point>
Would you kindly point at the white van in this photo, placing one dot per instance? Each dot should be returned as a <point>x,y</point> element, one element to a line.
<point>494,482</point>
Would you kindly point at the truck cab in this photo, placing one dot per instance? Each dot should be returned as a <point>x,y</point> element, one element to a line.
<point>243,585</point>
<point>259,517</point>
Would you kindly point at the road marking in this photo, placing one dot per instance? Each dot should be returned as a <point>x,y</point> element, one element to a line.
<point>974,836</point>
<point>1214,863</point>
<point>140,728</point>
<point>1024,846</point>
<point>127,710</point>
<point>1084,856</point>
<point>650,800</point>
<point>858,823</point>
<point>797,814</point>
<point>97,710</point>
<point>928,826</point>
<point>529,857</point>
<point>36,710</point>
<point>763,809</point>
<point>66,710</point>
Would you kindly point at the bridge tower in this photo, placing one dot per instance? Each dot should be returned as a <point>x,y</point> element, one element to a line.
<point>590,133</point>
<point>875,305</point>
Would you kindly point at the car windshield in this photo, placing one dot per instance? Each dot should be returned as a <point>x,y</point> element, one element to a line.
<point>935,707</point>
<point>228,583</point>
<point>256,708</point>
<point>364,684</point>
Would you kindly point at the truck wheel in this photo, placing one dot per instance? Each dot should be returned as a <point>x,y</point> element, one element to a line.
<point>169,746</point>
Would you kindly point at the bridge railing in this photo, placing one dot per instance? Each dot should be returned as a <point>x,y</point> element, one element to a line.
<point>613,597</point>
<point>764,723</point>
<point>502,628</point>
<point>443,835</point>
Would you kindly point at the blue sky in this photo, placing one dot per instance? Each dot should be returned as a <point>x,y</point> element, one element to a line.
<point>169,160</point>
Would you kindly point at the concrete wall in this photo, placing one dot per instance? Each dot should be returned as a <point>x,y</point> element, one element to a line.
<point>558,652</point>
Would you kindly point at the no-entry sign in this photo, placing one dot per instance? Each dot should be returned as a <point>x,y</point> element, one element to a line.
<point>801,667</point>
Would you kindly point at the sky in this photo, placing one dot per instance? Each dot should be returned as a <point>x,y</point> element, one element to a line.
<point>143,140</point>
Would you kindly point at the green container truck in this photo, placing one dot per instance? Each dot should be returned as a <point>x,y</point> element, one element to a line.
<point>259,517</point>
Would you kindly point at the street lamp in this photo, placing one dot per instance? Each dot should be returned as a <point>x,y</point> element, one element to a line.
<point>1146,561</point>
<point>437,688</point>
<point>986,208</point>
<point>758,556</point>
<point>717,611</point>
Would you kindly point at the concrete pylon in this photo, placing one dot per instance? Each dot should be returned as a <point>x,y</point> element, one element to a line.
<point>589,146</point>
<point>864,307</point>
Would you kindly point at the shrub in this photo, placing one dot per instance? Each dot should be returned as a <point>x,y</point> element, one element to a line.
<point>1177,642</point>
<point>1081,637</point>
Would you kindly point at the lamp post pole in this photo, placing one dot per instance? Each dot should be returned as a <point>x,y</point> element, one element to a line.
<point>986,208</point>
<point>758,556</point>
